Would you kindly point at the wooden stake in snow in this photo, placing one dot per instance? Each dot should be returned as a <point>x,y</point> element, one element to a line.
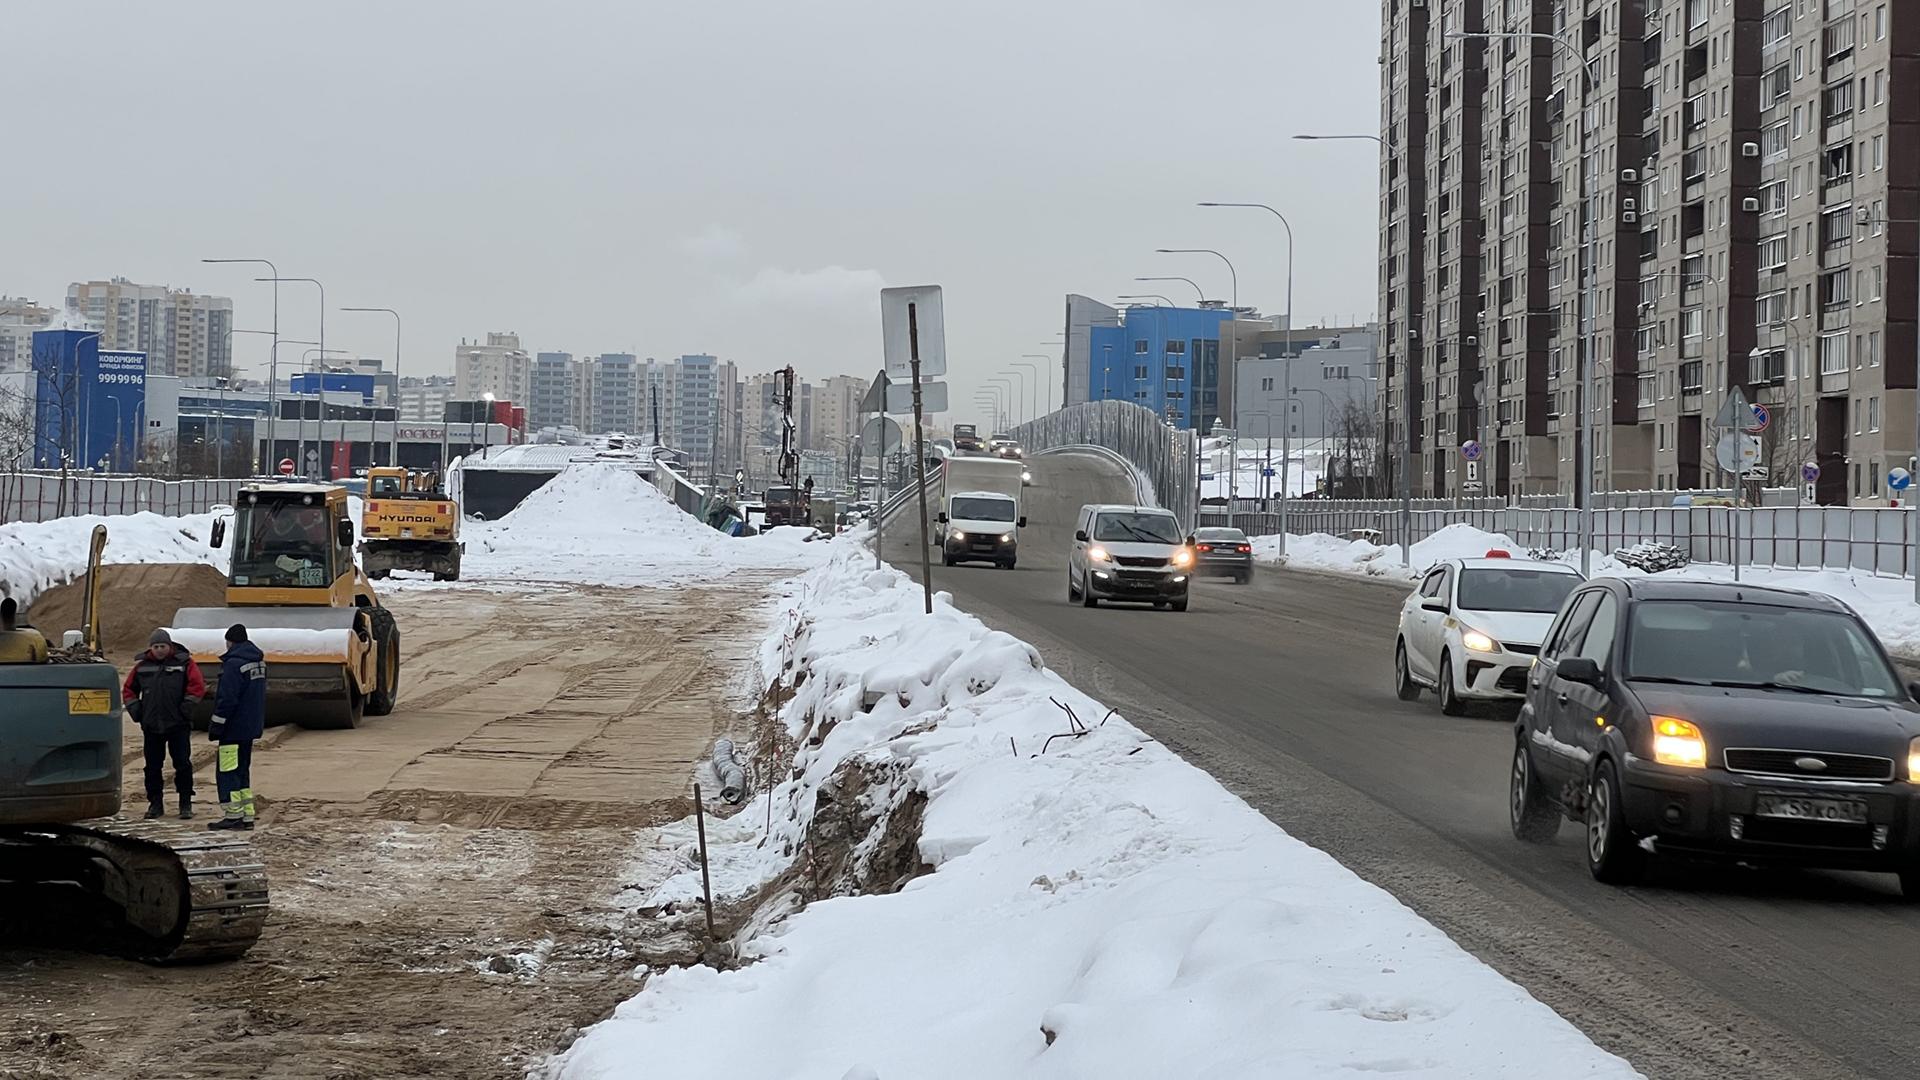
<point>706,878</point>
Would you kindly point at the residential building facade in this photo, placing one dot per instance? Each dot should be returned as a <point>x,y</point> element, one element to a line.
<point>1167,359</point>
<point>550,392</point>
<point>499,367</point>
<point>183,333</point>
<point>19,318</point>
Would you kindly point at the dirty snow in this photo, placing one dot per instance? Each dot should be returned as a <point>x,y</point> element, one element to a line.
<point>1886,603</point>
<point>277,642</point>
<point>1098,907</point>
<point>36,556</point>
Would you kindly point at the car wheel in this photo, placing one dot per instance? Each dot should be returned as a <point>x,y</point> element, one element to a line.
<point>1910,883</point>
<point>1534,820</point>
<point>1178,605</point>
<point>1087,599</point>
<point>1243,578</point>
<point>1613,855</point>
<point>1450,702</point>
<point>1404,687</point>
<point>1073,591</point>
<point>946,560</point>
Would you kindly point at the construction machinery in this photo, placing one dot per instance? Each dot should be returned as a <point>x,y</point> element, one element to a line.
<point>157,890</point>
<point>333,652</point>
<point>409,523</point>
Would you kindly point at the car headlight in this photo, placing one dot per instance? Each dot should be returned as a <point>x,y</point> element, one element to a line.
<point>1913,762</point>
<point>1006,538</point>
<point>958,535</point>
<point>1183,557</point>
<point>1475,641</point>
<point>1096,553</point>
<point>1026,478</point>
<point>1677,742</point>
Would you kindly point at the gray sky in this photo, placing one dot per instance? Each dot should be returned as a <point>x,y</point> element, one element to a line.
<point>729,176</point>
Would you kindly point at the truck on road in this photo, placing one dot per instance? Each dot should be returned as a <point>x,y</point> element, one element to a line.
<point>966,439</point>
<point>979,517</point>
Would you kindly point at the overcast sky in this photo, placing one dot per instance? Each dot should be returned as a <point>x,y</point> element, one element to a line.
<point>730,176</point>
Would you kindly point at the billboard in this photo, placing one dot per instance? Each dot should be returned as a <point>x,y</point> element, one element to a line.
<point>89,402</point>
<point>333,382</point>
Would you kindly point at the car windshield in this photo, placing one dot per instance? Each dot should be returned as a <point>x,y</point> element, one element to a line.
<point>1758,645</point>
<point>779,494</point>
<point>1539,591</point>
<point>282,544</point>
<point>973,509</point>
<point>1223,536</point>
<point>1141,528</point>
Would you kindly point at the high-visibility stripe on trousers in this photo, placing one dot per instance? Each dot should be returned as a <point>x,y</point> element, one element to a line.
<point>234,778</point>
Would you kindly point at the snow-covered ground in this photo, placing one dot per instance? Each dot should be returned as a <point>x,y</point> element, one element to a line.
<point>36,556</point>
<point>1885,602</point>
<point>1303,470</point>
<point>1097,907</point>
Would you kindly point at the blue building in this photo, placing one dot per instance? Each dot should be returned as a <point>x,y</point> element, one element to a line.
<point>89,402</point>
<point>333,382</point>
<point>1167,359</point>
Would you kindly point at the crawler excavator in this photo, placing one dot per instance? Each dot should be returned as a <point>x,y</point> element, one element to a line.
<point>333,651</point>
<point>159,891</point>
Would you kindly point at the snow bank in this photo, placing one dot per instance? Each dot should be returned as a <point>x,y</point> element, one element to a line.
<point>601,523</point>
<point>36,556</point>
<point>1886,603</point>
<point>1099,908</point>
<point>277,642</point>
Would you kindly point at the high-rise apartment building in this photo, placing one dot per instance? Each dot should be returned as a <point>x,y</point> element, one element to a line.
<point>836,411</point>
<point>550,393</point>
<point>424,400</point>
<point>19,318</point>
<point>182,332</point>
<point>614,383</point>
<point>498,367</point>
<point>1746,166</point>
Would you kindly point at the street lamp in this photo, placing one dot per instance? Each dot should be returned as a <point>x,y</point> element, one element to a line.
<point>320,420</point>
<point>1386,405</point>
<point>486,426</point>
<point>393,452</point>
<point>1035,369</point>
<point>1583,475</point>
<point>1023,396</point>
<point>1196,288</point>
<point>273,393</point>
<point>1046,388</point>
<point>268,263</point>
<point>221,415</point>
<point>1012,410</point>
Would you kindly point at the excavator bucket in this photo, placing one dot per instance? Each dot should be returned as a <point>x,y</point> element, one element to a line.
<point>319,659</point>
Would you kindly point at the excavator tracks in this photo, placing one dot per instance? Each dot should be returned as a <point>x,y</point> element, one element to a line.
<point>182,895</point>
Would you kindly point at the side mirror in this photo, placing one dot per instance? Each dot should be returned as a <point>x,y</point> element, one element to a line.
<point>1579,669</point>
<point>218,539</point>
<point>1913,690</point>
<point>343,532</point>
<point>941,517</point>
<point>1191,540</point>
<point>1022,523</point>
<point>1080,535</point>
<point>1434,603</point>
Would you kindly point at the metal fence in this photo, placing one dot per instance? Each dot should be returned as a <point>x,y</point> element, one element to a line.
<point>32,496</point>
<point>1870,539</point>
<point>685,494</point>
<point>1166,456</point>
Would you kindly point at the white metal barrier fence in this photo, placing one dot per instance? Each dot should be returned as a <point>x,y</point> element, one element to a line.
<point>1167,456</point>
<point>38,496</point>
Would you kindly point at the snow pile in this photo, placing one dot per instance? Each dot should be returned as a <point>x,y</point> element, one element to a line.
<point>1886,603</point>
<point>276,642</point>
<point>1097,908</point>
<point>601,523</point>
<point>36,556</point>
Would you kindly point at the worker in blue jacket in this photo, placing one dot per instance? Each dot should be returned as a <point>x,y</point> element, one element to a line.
<point>239,717</point>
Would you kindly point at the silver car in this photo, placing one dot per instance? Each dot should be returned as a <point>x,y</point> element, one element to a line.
<point>1133,553</point>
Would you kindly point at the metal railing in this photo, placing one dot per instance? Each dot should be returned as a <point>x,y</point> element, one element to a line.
<point>32,496</point>
<point>1166,456</point>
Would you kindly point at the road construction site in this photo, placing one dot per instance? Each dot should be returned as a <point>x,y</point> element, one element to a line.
<point>445,880</point>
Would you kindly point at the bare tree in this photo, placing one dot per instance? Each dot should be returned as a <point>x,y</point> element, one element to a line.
<point>16,444</point>
<point>1352,446</point>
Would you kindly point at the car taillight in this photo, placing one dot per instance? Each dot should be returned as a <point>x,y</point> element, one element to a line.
<point>1206,547</point>
<point>1244,549</point>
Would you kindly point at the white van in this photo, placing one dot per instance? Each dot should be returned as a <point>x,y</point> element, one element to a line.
<point>1133,553</point>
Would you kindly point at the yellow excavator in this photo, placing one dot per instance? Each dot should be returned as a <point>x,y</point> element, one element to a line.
<point>409,523</point>
<point>333,651</point>
<point>71,871</point>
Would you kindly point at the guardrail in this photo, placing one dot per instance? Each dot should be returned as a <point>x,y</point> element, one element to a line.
<point>37,496</point>
<point>1168,457</point>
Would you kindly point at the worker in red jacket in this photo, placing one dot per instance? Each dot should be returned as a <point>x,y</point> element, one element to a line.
<point>160,694</point>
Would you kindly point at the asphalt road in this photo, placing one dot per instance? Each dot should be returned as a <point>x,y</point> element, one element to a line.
<point>1282,689</point>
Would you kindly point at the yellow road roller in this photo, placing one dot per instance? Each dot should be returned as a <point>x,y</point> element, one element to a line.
<point>333,652</point>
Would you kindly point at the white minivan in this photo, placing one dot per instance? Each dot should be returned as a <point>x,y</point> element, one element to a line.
<point>1134,553</point>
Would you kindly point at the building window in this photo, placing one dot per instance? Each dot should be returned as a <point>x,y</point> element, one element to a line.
<point>1178,348</point>
<point>1140,345</point>
<point>1140,371</point>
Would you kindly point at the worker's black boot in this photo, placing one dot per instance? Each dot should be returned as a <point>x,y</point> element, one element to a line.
<point>186,808</point>
<point>155,810</point>
<point>231,823</point>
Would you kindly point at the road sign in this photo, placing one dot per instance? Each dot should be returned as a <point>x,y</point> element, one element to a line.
<point>930,326</point>
<point>286,466</point>
<point>1762,416</point>
<point>1267,472</point>
<point>1473,470</point>
<point>1470,486</point>
<point>1734,411</point>
<point>881,432</point>
<point>1470,450</point>
<point>933,397</point>
<point>1737,452</point>
<point>1898,479</point>
<point>876,399</point>
<point>1810,471</point>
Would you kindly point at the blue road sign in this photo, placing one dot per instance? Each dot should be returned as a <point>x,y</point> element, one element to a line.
<point>1470,450</point>
<point>1898,479</point>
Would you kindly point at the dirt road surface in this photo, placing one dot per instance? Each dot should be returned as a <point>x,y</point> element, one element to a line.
<point>443,879</point>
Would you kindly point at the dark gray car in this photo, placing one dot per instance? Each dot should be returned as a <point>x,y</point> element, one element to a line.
<point>1223,553</point>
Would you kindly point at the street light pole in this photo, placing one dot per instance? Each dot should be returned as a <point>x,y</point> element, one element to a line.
<point>1196,288</point>
<point>222,416</point>
<point>1406,391</point>
<point>393,451</point>
<point>275,271</point>
<point>1583,472</point>
<point>273,383</point>
<point>1046,387</point>
<point>320,421</point>
<point>1012,409</point>
<point>1035,392</point>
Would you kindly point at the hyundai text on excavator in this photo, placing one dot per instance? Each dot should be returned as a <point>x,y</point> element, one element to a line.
<point>333,651</point>
<point>156,890</point>
<point>409,523</point>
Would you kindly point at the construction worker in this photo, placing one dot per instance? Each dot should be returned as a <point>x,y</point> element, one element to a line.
<point>161,692</point>
<point>239,717</point>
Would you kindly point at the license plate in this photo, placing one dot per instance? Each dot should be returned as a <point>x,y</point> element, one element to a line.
<point>1803,808</point>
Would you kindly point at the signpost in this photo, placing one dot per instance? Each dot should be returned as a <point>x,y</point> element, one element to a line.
<point>909,316</point>
<point>884,435</point>
<point>931,395</point>
<point>1762,416</point>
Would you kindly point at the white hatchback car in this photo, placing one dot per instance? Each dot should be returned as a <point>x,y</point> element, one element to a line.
<point>1472,629</point>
